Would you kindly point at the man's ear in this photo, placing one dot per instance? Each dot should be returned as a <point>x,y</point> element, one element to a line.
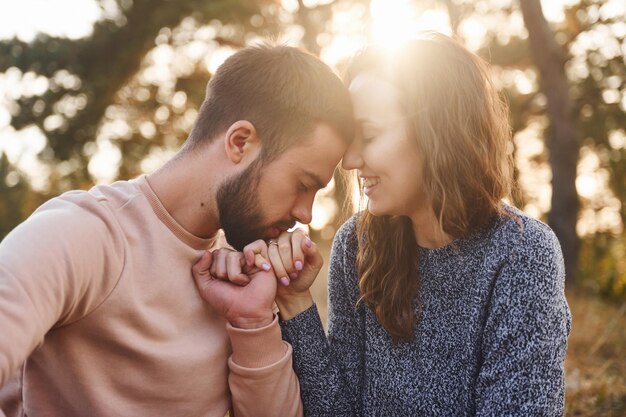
<point>241,142</point>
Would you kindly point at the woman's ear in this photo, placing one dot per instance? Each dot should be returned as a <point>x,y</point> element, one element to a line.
<point>241,142</point>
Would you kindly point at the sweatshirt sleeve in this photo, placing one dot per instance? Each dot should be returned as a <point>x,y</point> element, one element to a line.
<point>262,381</point>
<point>53,270</point>
<point>329,368</point>
<point>526,332</point>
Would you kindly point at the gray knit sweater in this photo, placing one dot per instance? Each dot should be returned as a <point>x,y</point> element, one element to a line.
<point>491,340</point>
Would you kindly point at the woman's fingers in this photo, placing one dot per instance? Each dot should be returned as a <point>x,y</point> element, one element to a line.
<point>311,253</point>
<point>292,253</point>
<point>285,251</point>
<point>277,263</point>
<point>287,255</point>
<point>298,256</point>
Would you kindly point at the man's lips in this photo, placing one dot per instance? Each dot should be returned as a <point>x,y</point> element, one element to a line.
<point>275,231</point>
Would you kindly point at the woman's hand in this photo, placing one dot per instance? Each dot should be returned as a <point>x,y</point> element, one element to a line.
<point>293,259</point>
<point>296,262</point>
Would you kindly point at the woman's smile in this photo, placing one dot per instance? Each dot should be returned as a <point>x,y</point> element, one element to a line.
<point>369,184</point>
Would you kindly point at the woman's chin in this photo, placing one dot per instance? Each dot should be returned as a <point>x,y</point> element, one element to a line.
<point>376,209</point>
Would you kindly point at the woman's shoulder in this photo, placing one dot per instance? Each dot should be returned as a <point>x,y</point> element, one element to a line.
<point>531,245</point>
<point>346,235</point>
<point>523,232</point>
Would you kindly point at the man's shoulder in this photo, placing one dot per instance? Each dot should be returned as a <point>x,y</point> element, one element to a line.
<point>81,215</point>
<point>117,194</point>
<point>100,200</point>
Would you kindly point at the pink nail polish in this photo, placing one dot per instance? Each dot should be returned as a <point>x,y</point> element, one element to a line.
<point>266,267</point>
<point>299,265</point>
<point>308,242</point>
<point>284,281</point>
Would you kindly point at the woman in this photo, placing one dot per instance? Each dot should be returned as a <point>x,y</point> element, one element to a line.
<point>443,300</point>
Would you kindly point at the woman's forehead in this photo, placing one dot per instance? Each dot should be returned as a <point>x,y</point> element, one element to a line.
<point>374,98</point>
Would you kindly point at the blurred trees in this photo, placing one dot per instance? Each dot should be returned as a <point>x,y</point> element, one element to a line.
<point>85,75</point>
<point>587,166</point>
<point>120,101</point>
<point>563,141</point>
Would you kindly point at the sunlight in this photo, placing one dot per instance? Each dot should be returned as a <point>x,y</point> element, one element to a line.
<point>390,24</point>
<point>396,21</point>
<point>25,19</point>
<point>349,28</point>
<point>216,59</point>
<point>105,163</point>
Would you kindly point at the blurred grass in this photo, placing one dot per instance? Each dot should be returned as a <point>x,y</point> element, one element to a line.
<point>596,361</point>
<point>595,367</point>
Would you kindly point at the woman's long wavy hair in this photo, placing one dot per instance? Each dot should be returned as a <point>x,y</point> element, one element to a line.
<point>461,129</point>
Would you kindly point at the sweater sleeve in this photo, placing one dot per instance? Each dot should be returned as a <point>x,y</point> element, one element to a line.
<point>262,381</point>
<point>329,368</point>
<point>55,268</point>
<point>526,331</point>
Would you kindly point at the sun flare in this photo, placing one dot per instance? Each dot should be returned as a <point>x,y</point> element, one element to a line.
<point>396,21</point>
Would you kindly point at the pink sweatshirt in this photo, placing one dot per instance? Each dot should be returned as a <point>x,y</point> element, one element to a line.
<point>100,316</point>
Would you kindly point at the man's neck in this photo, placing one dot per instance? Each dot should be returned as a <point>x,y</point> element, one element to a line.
<point>186,186</point>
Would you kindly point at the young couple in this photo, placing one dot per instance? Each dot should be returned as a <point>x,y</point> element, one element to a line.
<point>443,299</point>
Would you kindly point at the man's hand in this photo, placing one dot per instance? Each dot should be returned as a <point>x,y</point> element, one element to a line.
<point>248,306</point>
<point>222,275</point>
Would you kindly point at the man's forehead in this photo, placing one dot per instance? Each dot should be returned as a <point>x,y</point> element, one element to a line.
<point>318,163</point>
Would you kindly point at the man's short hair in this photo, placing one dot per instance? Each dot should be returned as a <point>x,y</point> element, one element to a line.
<point>283,91</point>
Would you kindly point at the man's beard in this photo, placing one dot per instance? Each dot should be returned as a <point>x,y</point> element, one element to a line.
<point>240,214</point>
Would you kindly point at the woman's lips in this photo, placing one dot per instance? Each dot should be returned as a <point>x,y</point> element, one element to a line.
<point>369,184</point>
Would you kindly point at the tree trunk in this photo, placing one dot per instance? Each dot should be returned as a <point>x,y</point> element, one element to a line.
<point>564,137</point>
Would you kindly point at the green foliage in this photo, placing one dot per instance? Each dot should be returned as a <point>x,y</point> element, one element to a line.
<point>603,265</point>
<point>91,71</point>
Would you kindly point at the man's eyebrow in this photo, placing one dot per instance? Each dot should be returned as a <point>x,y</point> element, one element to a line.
<point>319,183</point>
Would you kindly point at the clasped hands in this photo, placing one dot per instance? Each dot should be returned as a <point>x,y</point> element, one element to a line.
<point>243,286</point>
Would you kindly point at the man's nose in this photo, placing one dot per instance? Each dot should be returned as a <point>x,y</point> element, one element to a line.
<point>303,209</point>
<point>352,158</point>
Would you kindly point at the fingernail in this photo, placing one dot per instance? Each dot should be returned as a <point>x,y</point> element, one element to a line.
<point>299,265</point>
<point>308,242</point>
<point>284,281</point>
<point>266,267</point>
<point>293,275</point>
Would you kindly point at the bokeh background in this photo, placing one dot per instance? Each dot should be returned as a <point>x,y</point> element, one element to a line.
<point>92,91</point>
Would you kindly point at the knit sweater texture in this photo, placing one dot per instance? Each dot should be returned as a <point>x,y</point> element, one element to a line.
<point>490,340</point>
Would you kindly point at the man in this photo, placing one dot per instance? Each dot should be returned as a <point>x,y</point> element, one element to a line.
<point>99,314</point>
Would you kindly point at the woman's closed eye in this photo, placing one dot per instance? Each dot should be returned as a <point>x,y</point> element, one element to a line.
<point>366,140</point>
<point>369,134</point>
